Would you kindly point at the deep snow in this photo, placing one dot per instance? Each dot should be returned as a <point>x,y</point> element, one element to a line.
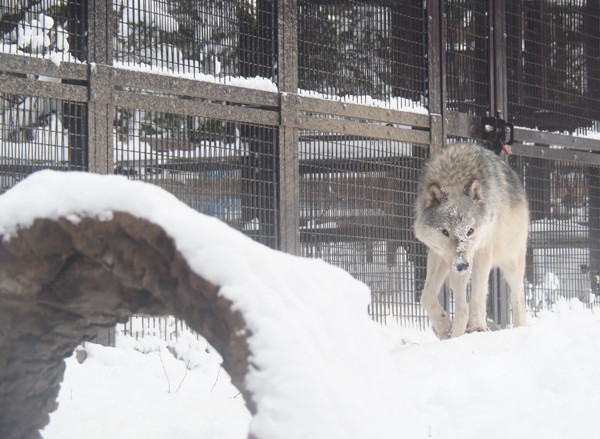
<point>324,369</point>
<point>540,381</point>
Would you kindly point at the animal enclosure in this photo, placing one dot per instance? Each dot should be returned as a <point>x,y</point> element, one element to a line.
<point>304,124</point>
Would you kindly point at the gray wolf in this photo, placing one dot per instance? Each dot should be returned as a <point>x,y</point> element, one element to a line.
<point>471,212</point>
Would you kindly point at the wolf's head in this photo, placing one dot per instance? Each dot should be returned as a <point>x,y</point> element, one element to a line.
<point>452,221</point>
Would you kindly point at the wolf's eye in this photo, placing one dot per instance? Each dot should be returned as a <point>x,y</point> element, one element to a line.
<point>470,232</point>
<point>445,232</point>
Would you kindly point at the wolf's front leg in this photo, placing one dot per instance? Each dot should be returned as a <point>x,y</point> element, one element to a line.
<point>458,284</point>
<point>437,270</point>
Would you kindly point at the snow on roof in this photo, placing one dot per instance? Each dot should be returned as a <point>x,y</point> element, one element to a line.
<point>321,369</point>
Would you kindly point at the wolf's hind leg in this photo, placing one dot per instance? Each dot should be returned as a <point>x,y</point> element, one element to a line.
<point>514,274</point>
<point>458,284</point>
<point>437,270</point>
<point>482,265</point>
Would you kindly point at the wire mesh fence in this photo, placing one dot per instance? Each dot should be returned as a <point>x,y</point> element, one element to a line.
<point>224,169</point>
<point>468,56</point>
<point>56,30</point>
<point>222,39</point>
<point>553,70</point>
<point>356,197</point>
<point>361,51</point>
<point>310,120</point>
<point>40,133</point>
<point>562,257</point>
<point>165,328</point>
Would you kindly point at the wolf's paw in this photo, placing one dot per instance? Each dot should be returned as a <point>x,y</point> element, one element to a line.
<point>445,333</point>
<point>477,329</point>
<point>441,325</point>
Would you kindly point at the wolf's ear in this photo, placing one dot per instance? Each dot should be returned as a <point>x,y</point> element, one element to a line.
<point>434,195</point>
<point>474,190</point>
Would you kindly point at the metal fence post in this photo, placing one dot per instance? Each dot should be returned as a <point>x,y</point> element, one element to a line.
<point>435,55</point>
<point>499,106</point>
<point>100,110</point>
<point>289,176</point>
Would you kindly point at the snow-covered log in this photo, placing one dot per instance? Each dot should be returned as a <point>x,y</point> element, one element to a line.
<point>61,280</point>
<point>80,250</point>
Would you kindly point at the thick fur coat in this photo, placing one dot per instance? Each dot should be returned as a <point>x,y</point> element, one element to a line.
<point>471,212</point>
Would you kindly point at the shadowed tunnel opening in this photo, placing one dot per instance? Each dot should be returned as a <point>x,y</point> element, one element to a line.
<point>61,280</point>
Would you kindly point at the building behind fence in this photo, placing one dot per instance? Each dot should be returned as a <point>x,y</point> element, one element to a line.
<point>304,123</point>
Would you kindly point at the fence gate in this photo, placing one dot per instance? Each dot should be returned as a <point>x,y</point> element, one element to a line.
<point>529,72</point>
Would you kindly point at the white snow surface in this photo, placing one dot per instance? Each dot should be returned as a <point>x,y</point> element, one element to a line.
<point>323,369</point>
<point>540,381</point>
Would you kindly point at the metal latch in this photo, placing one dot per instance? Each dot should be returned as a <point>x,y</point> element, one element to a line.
<point>498,132</point>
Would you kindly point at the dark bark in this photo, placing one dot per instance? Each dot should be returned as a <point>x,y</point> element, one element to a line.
<point>60,281</point>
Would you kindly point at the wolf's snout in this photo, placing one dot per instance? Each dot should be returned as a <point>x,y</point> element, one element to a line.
<point>462,266</point>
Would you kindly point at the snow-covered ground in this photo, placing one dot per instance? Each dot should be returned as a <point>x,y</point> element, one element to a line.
<point>321,367</point>
<point>141,390</point>
<point>541,381</point>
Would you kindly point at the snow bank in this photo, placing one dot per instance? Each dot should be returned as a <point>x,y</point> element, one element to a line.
<point>320,367</point>
<point>539,381</point>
